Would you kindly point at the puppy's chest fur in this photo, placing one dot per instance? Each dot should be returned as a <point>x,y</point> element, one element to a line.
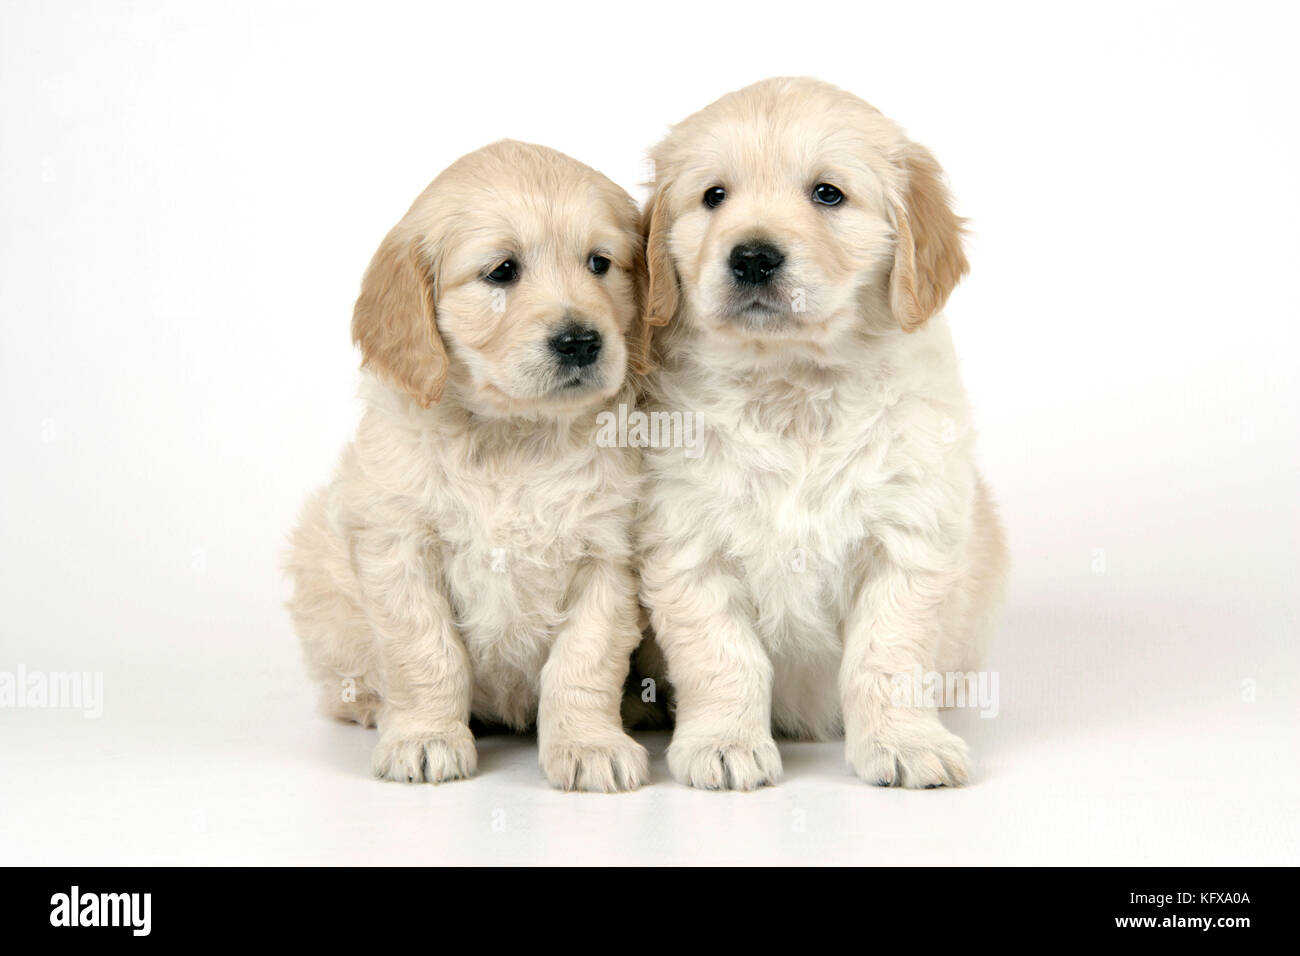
<point>799,484</point>
<point>511,520</point>
<point>509,562</point>
<point>796,475</point>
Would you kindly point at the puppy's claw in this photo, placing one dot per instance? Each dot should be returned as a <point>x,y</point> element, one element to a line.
<point>923,758</point>
<point>425,757</point>
<point>725,764</point>
<point>608,767</point>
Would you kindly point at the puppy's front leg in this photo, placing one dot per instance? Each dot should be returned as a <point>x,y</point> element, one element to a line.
<point>893,630</point>
<point>424,730</point>
<point>721,676</point>
<point>580,737</point>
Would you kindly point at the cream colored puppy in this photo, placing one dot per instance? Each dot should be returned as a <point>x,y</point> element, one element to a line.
<point>831,532</point>
<point>472,554</point>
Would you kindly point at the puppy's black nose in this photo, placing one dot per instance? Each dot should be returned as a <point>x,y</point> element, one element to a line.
<point>576,345</point>
<point>755,263</point>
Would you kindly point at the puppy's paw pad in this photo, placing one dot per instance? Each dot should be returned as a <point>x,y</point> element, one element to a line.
<point>425,757</point>
<point>600,767</point>
<point>725,764</point>
<point>919,760</point>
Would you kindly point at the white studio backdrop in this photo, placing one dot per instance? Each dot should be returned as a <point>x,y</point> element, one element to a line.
<point>191,192</point>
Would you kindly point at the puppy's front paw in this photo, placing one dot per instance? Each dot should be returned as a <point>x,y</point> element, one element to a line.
<point>425,757</point>
<point>725,763</point>
<point>918,756</point>
<point>607,766</point>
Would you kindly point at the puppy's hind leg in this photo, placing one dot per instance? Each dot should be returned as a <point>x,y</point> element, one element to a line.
<point>970,614</point>
<point>349,700</point>
<point>338,645</point>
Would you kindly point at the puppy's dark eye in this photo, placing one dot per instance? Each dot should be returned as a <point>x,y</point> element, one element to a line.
<point>713,196</point>
<point>598,264</point>
<point>827,195</point>
<point>507,271</point>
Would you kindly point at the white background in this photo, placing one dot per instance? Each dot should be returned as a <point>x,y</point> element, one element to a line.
<point>191,192</point>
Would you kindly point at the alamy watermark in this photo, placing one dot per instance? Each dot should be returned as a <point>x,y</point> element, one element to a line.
<point>129,910</point>
<point>54,690</point>
<point>920,688</point>
<point>633,428</point>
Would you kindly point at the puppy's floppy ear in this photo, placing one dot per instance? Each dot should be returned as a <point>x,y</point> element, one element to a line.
<point>928,258</point>
<point>393,321</point>
<point>660,297</point>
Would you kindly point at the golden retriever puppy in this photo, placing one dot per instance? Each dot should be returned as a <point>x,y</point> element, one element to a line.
<point>472,555</point>
<point>830,537</point>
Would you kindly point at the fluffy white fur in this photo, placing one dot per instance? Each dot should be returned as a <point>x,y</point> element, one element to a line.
<point>472,555</point>
<point>832,531</point>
